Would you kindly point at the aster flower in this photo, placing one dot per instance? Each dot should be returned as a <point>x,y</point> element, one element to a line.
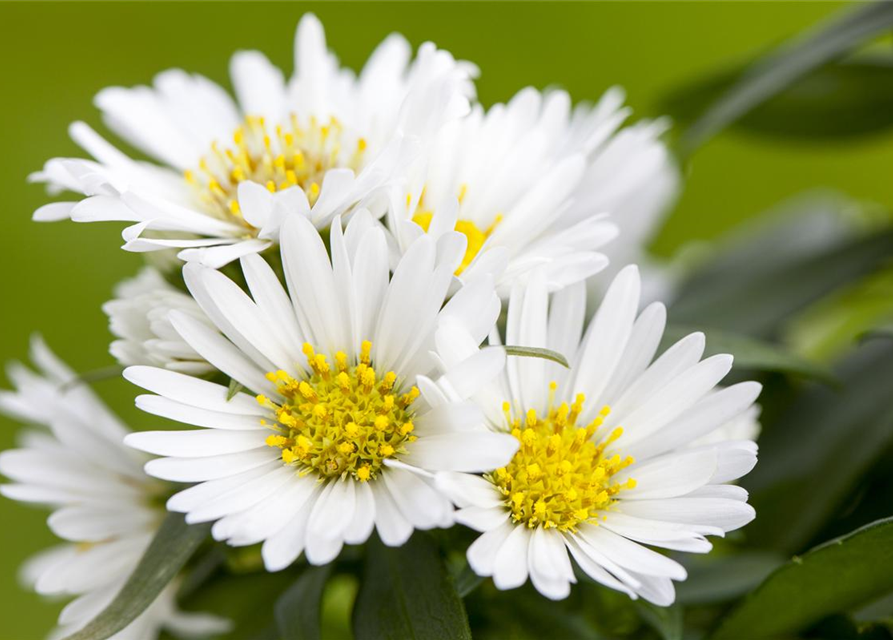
<point>604,469</point>
<point>74,460</point>
<point>316,145</point>
<point>138,318</point>
<point>529,183</point>
<point>347,425</point>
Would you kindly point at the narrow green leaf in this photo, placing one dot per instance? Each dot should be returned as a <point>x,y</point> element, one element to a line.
<point>408,594</point>
<point>834,577</point>
<point>721,579</point>
<point>467,580</point>
<point>842,99</point>
<point>234,388</point>
<point>536,352</point>
<point>667,621</point>
<point>753,354</point>
<point>89,377</point>
<point>172,546</point>
<point>884,332</point>
<point>756,283</point>
<point>298,609</point>
<point>775,72</point>
<point>816,450</point>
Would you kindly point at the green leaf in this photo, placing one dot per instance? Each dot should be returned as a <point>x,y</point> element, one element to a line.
<point>756,282</point>
<point>667,621</point>
<point>816,450</point>
<point>773,73</point>
<point>753,354</point>
<point>408,594</point>
<point>467,580</point>
<point>536,352</point>
<point>883,332</point>
<point>298,609</point>
<point>724,578</point>
<point>234,388</point>
<point>841,99</point>
<point>172,546</point>
<point>834,577</point>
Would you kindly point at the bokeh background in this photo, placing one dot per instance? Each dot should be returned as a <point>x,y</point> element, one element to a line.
<point>55,57</point>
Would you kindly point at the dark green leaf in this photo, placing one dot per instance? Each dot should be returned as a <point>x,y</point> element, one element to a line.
<point>172,546</point>
<point>719,579</point>
<point>755,283</point>
<point>838,100</point>
<point>536,352</point>
<point>667,621</point>
<point>753,354</point>
<point>834,577</point>
<point>408,594</point>
<point>467,580</point>
<point>814,453</point>
<point>775,72</point>
<point>247,600</point>
<point>234,388</point>
<point>298,609</point>
<point>884,332</point>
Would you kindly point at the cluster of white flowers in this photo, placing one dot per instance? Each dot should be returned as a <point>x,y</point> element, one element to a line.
<point>348,244</point>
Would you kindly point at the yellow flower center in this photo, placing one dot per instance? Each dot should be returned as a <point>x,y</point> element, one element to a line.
<point>559,477</point>
<point>475,235</point>
<point>340,422</point>
<point>290,156</point>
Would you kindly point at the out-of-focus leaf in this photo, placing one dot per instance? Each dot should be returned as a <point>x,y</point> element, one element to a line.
<point>247,600</point>
<point>753,354</point>
<point>815,452</point>
<point>467,580</point>
<point>843,98</point>
<point>667,621</point>
<point>828,328</point>
<point>721,579</point>
<point>834,577</point>
<point>337,603</point>
<point>884,332</point>
<point>756,282</point>
<point>408,594</point>
<point>172,546</point>
<point>297,610</point>
<point>776,71</point>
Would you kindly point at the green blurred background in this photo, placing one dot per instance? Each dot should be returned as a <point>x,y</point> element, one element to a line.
<point>56,56</point>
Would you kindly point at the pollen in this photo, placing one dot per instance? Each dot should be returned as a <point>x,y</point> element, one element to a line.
<point>342,420</point>
<point>475,236</point>
<point>563,473</point>
<point>294,154</point>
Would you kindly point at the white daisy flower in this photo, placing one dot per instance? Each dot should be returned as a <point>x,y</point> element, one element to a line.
<point>347,425</point>
<point>529,183</point>
<point>139,318</point>
<point>74,460</point>
<point>603,467</point>
<point>317,144</point>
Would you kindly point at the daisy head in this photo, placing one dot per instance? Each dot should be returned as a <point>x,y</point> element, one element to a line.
<point>529,183</point>
<point>348,408</point>
<point>139,320</point>
<point>317,144</point>
<point>606,465</point>
<point>72,459</point>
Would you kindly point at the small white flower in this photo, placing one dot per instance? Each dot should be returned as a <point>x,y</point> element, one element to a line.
<point>74,460</point>
<point>139,318</point>
<point>604,465</point>
<point>529,183</point>
<point>322,142</point>
<point>347,426</point>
